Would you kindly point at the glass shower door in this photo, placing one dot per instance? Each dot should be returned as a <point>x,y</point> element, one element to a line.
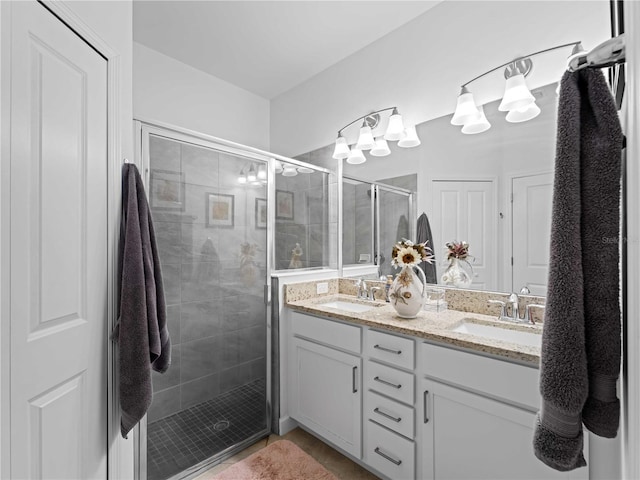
<point>395,221</point>
<point>212,238</point>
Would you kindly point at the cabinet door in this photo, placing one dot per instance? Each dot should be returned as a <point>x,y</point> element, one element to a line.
<point>326,394</point>
<point>470,436</point>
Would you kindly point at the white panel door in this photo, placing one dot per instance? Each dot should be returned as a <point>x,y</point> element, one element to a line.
<point>465,210</point>
<point>532,198</point>
<point>58,250</point>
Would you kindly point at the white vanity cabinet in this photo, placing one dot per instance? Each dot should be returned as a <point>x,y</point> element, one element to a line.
<point>325,393</point>
<point>409,409</point>
<point>389,404</point>
<point>480,424</point>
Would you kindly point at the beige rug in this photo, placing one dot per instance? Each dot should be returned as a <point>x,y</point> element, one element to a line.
<point>281,460</point>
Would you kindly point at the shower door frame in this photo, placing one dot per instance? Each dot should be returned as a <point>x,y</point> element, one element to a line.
<point>144,129</point>
<point>375,188</point>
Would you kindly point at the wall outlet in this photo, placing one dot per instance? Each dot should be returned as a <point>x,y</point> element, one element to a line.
<point>322,287</point>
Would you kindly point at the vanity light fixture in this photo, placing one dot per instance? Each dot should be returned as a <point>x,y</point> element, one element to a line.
<point>242,178</point>
<point>262,172</point>
<point>381,149</point>
<point>251,175</point>
<point>410,138</point>
<point>289,171</point>
<point>478,124</point>
<point>395,131</point>
<point>517,99</point>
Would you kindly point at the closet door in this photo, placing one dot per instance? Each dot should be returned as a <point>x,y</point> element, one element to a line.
<point>58,247</point>
<point>466,210</point>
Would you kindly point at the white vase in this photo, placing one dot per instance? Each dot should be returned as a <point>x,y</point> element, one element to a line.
<point>455,275</point>
<point>408,292</point>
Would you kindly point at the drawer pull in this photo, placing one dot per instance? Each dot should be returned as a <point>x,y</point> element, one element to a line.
<point>386,415</point>
<point>387,457</point>
<point>394,385</point>
<point>353,379</point>
<point>426,398</point>
<point>385,349</point>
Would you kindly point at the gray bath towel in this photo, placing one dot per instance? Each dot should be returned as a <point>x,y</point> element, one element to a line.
<point>581,340</point>
<point>141,332</point>
<point>423,234</point>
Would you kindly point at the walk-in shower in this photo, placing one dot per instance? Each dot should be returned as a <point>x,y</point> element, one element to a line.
<point>212,240</point>
<point>216,207</point>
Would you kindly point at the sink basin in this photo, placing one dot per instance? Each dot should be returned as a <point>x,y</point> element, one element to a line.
<point>519,337</point>
<point>348,306</point>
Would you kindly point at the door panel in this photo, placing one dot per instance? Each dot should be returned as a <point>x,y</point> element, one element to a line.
<point>58,250</point>
<point>464,210</point>
<point>532,196</point>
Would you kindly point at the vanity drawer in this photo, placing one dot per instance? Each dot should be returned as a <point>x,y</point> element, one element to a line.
<point>334,334</point>
<point>393,415</point>
<point>390,382</point>
<point>512,382</point>
<point>389,453</point>
<point>390,348</point>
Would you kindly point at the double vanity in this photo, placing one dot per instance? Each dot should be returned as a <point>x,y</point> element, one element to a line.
<point>450,395</point>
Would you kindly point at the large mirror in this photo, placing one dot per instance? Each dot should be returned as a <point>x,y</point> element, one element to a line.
<point>492,189</point>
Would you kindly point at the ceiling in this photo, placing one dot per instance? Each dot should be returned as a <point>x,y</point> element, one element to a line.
<point>267,47</point>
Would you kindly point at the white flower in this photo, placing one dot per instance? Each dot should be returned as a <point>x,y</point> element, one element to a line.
<point>407,257</point>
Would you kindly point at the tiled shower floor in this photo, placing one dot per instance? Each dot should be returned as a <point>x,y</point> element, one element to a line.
<point>179,441</point>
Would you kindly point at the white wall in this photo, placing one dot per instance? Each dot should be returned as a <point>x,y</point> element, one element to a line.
<point>168,91</point>
<point>420,66</point>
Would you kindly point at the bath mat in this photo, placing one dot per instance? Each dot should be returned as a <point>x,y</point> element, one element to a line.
<point>281,460</point>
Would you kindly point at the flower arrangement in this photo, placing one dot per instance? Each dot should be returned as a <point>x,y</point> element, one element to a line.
<point>409,254</point>
<point>459,250</point>
<point>247,253</point>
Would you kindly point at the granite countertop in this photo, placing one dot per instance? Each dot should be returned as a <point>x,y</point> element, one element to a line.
<point>434,326</point>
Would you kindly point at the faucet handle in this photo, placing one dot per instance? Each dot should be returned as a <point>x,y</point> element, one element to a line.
<point>527,312</point>
<point>503,307</point>
<point>372,292</point>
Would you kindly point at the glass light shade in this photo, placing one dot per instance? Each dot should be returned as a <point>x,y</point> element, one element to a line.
<point>381,149</point>
<point>516,94</point>
<point>465,108</point>
<point>289,171</point>
<point>251,175</point>
<point>523,114</point>
<point>365,140</point>
<point>356,157</point>
<point>242,179</point>
<point>342,148</point>
<point>305,170</point>
<point>478,124</point>
<point>262,172</point>
<point>395,127</point>
<point>410,139</point>
<point>278,167</point>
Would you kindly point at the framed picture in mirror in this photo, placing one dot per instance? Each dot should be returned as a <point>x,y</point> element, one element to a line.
<point>261,213</point>
<point>284,205</point>
<point>219,210</point>
<point>166,190</point>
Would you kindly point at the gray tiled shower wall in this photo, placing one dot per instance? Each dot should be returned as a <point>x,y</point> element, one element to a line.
<point>314,222</point>
<point>356,221</point>
<point>215,310</point>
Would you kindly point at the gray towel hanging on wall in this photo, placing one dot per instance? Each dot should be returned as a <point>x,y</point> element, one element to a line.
<point>581,340</point>
<point>141,331</point>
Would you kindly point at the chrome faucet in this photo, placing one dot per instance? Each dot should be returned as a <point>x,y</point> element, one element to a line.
<point>503,309</point>
<point>527,312</point>
<point>513,300</point>
<point>361,285</point>
<point>372,293</point>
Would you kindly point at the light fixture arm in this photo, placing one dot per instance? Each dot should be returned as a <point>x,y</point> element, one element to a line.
<point>519,59</point>
<point>364,117</point>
